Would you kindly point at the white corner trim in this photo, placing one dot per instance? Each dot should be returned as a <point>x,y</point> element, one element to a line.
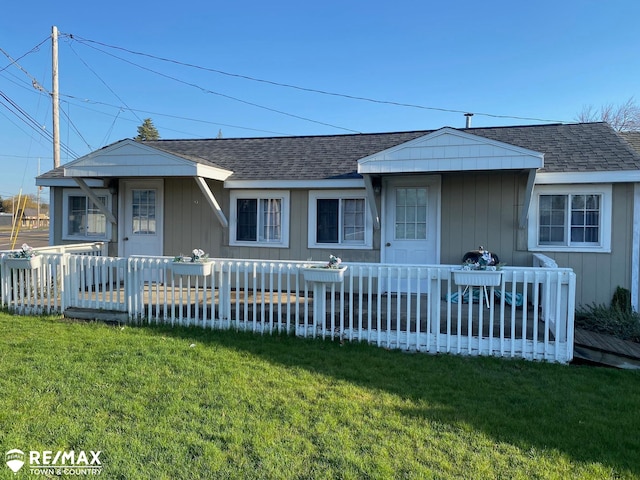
<point>635,250</point>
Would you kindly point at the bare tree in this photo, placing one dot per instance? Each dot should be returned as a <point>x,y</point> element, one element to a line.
<point>623,118</point>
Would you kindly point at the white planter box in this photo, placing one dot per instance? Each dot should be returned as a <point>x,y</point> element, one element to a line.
<point>323,275</point>
<point>192,268</point>
<point>478,278</point>
<point>24,263</point>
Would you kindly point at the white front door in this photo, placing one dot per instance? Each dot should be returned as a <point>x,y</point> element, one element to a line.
<point>143,214</point>
<point>412,220</point>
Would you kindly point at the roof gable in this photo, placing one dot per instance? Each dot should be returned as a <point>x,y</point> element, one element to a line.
<point>129,158</point>
<point>449,149</point>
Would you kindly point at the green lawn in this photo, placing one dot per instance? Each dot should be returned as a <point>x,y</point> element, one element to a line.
<point>188,403</point>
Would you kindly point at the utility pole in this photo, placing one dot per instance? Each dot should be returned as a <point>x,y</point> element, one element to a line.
<point>38,209</point>
<point>55,97</point>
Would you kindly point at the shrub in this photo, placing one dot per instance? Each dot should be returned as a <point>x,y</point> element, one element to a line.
<point>621,300</point>
<point>618,319</point>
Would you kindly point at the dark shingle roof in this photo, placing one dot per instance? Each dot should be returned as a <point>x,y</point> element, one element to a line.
<point>294,158</point>
<point>580,147</point>
<point>577,147</point>
<point>585,147</point>
<point>633,138</point>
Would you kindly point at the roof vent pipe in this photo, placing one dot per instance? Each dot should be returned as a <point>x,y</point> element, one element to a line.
<point>468,122</point>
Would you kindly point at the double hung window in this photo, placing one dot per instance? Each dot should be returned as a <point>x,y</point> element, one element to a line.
<point>339,218</point>
<point>571,218</point>
<point>260,218</point>
<point>84,220</point>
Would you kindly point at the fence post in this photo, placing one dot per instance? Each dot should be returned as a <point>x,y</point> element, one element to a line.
<point>4,282</point>
<point>64,266</point>
<point>224,292</point>
<point>434,300</point>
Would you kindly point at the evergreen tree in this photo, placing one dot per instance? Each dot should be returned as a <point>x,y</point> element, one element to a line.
<point>147,131</point>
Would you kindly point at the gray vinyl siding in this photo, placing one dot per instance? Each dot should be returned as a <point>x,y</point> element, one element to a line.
<point>482,209</point>
<point>57,215</point>
<point>191,223</point>
<point>298,239</point>
<point>476,209</point>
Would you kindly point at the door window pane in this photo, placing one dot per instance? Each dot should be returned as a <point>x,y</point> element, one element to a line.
<point>143,207</point>
<point>411,214</point>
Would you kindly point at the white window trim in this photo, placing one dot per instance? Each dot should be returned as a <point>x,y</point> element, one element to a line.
<point>75,192</point>
<point>314,195</point>
<point>259,194</point>
<point>605,190</point>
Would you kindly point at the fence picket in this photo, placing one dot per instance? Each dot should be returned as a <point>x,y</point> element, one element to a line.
<point>393,306</point>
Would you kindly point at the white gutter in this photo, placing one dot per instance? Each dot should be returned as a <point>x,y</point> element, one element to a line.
<point>620,176</point>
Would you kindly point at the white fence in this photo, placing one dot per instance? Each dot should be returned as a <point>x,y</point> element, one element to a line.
<point>420,308</point>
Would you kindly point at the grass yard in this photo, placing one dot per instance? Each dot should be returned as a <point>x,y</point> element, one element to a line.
<point>164,403</point>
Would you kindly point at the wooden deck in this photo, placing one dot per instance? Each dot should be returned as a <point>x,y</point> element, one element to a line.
<point>598,349</point>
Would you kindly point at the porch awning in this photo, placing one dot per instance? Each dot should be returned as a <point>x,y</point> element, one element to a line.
<point>450,150</point>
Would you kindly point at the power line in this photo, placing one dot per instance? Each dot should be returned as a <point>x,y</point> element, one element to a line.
<point>212,92</point>
<point>28,120</point>
<point>34,81</point>
<point>103,82</point>
<point>306,89</point>
<point>76,129</point>
<point>34,49</point>
<point>218,124</point>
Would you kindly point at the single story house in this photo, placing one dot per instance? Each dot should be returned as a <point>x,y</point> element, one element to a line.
<point>568,191</point>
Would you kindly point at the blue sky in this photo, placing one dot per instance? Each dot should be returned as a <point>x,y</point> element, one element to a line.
<point>539,60</point>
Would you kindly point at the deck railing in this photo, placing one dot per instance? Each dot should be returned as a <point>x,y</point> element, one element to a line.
<point>528,315</point>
